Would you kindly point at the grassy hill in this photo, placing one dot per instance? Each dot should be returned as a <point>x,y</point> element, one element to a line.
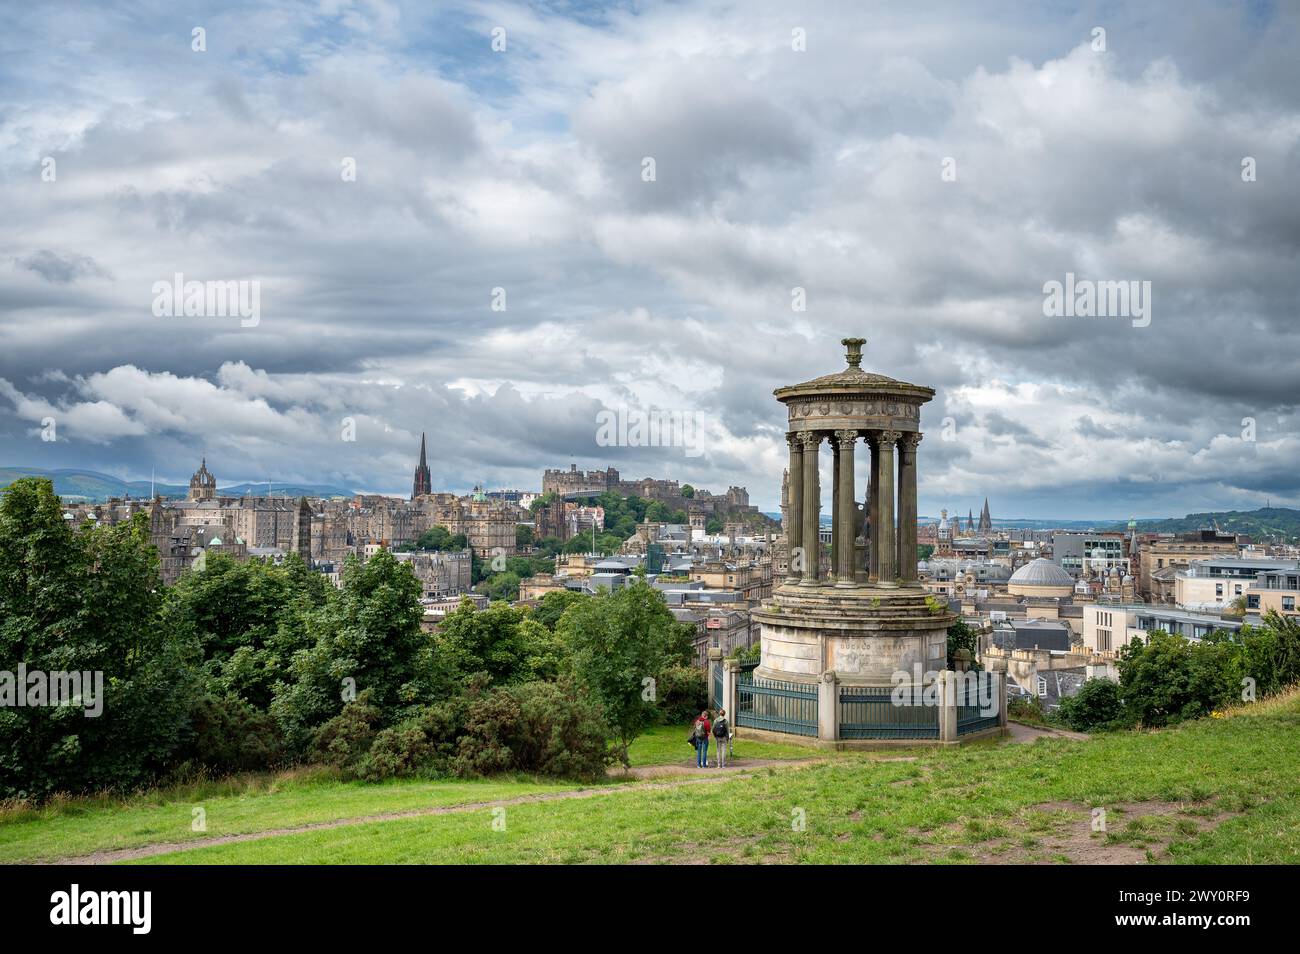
<point>1216,791</point>
<point>91,486</point>
<point>1266,523</point>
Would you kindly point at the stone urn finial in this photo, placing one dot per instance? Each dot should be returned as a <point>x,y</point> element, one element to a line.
<point>855,350</point>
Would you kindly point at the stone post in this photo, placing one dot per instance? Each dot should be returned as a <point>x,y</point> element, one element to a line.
<point>886,555</point>
<point>845,497</point>
<point>907,509</point>
<point>794,532</point>
<point>730,674</point>
<point>812,500</point>
<point>715,663</point>
<point>1000,693</point>
<point>828,707</point>
<point>947,706</point>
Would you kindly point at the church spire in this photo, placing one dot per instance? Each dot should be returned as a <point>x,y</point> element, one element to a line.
<point>423,483</point>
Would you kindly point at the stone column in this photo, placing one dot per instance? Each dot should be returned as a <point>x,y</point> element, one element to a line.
<point>794,505</point>
<point>873,511</point>
<point>886,553</point>
<point>907,509</point>
<point>836,536</point>
<point>812,502</point>
<point>844,510</point>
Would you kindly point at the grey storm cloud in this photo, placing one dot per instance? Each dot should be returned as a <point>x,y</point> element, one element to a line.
<point>521,170</point>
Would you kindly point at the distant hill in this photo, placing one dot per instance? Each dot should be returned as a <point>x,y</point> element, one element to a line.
<point>1266,523</point>
<point>90,486</point>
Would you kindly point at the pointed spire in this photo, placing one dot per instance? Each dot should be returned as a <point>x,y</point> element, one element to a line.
<point>422,460</point>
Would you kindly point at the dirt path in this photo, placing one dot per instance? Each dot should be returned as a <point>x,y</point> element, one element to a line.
<point>1028,733</point>
<point>697,776</point>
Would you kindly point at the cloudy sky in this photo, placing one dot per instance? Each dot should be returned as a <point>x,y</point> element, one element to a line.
<point>920,169</point>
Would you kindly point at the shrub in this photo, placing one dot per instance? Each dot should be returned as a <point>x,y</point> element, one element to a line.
<point>229,735</point>
<point>538,727</point>
<point>682,693</point>
<point>344,739</point>
<point>1097,705</point>
<point>1026,709</point>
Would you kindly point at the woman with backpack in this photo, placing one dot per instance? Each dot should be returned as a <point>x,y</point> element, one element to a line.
<point>700,739</point>
<point>722,732</point>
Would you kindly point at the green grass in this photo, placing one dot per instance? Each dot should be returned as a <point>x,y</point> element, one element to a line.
<point>974,804</point>
<point>254,803</point>
<point>266,801</point>
<point>948,807</point>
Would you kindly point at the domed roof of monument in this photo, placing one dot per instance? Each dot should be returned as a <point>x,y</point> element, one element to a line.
<point>853,378</point>
<point>1041,572</point>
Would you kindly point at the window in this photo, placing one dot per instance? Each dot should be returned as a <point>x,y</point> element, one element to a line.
<point>1103,640</point>
<point>1288,602</point>
<point>1218,589</point>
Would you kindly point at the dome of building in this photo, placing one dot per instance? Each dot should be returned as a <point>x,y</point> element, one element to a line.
<point>1040,577</point>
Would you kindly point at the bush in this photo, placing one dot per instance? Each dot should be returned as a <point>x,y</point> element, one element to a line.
<point>229,735</point>
<point>1097,705</point>
<point>346,738</point>
<point>1026,709</point>
<point>682,693</point>
<point>537,727</point>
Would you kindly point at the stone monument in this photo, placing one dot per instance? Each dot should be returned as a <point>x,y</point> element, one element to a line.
<point>866,618</point>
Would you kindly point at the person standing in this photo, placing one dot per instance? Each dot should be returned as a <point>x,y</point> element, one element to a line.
<point>700,733</point>
<point>722,733</point>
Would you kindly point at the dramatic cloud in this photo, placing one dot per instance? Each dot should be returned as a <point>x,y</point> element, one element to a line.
<point>452,239</point>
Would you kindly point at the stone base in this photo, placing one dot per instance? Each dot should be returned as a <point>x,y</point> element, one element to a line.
<point>851,745</point>
<point>863,634</point>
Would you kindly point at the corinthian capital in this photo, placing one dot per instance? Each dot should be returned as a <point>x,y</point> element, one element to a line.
<point>889,437</point>
<point>811,440</point>
<point>909,441</point>
<point>846,438</point>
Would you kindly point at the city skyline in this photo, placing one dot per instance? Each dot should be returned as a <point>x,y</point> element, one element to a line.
<point>853,178</point>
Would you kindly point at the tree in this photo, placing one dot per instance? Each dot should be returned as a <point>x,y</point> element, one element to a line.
<point>962,636</point>
<point>713,526</point>
<point>619,644</point>
<point>552,605</point>
<point>523,536</point>
<point>436,538</point>
<point>486,641</point>
<point>85,600</point>
<point>366,639</point>
<point>688,491</point>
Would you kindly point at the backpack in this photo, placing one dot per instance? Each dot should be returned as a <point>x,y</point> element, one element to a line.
<point>700,732</point>
<point>720,728</point>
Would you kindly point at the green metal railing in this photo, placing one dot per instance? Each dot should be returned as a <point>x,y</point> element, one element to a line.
<point>870,712</point>
<point>976,692</point>
<point>716,699</point>
<point>775,705</point>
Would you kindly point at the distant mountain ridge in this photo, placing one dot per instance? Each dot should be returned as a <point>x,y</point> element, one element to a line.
<point>76,486</point>
<point>1265,523</point>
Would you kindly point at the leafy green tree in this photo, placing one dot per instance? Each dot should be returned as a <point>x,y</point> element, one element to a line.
<point>714,525</point>
<point>366,639</point>
<point>688,491</point>
<point>501,586</point>
<point>552,605</point>
<point>248,620</point>
<point>618,642</point>
<point>962,636</point>
<point>523,536</point>
<point>85,600</point>
<point>489,641</point>
<point>436,538</point>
